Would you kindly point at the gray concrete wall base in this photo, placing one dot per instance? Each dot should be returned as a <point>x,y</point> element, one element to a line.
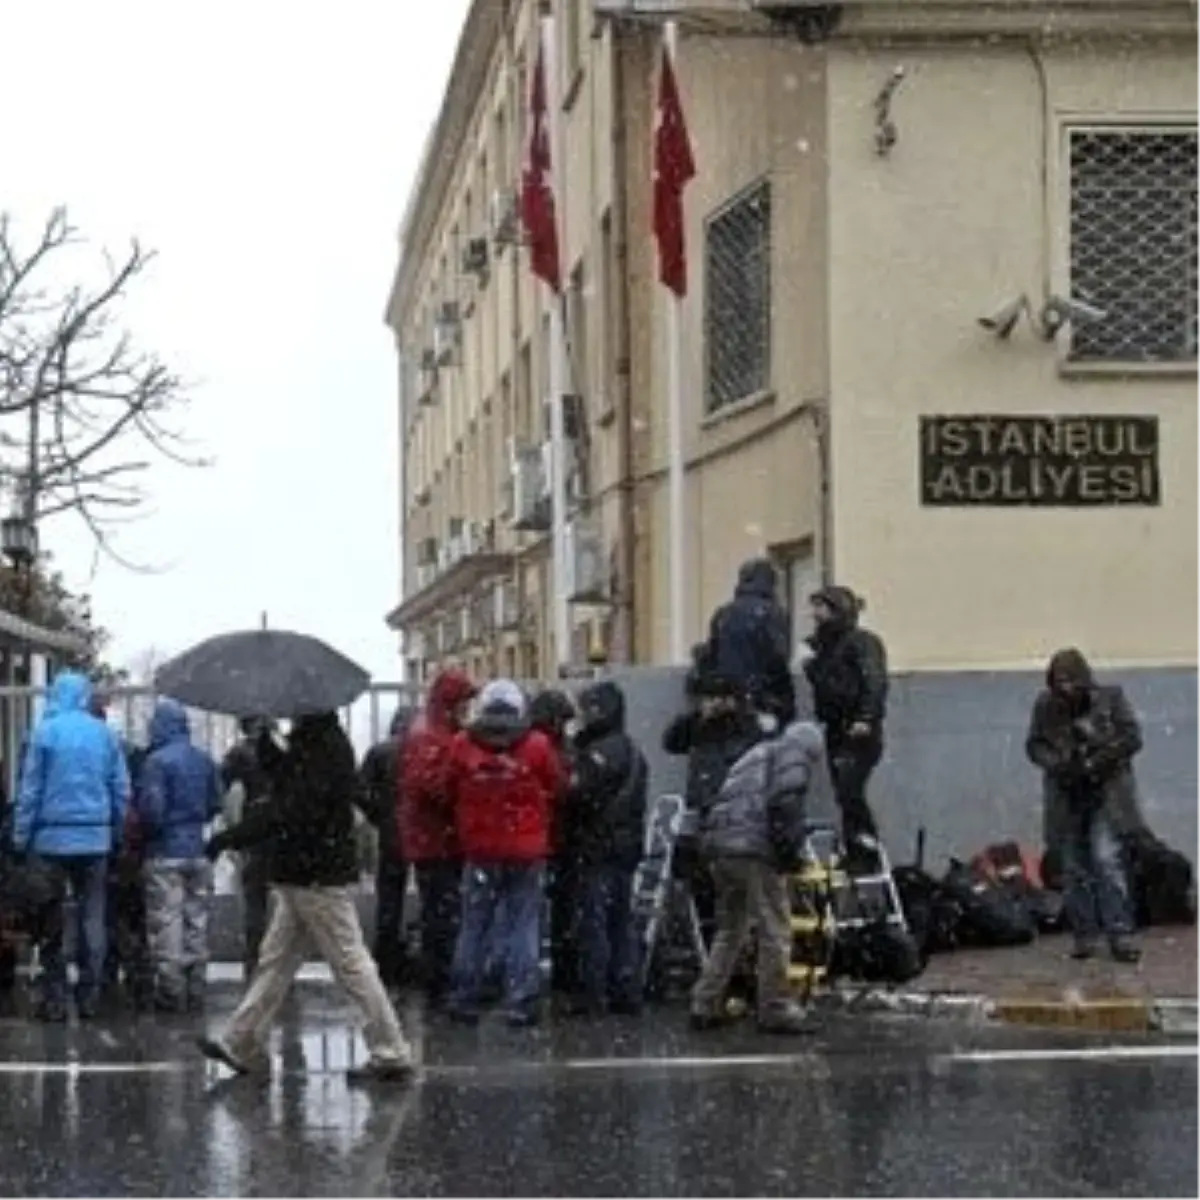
<point>955,762</point>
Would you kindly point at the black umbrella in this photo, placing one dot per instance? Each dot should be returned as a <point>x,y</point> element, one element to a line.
<point>262,672</point>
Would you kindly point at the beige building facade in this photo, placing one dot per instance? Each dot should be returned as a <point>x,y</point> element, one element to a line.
<point>939,338</point>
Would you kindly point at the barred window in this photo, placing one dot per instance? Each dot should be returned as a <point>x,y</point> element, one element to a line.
<point>1133,243</point>
<point>737,298</point>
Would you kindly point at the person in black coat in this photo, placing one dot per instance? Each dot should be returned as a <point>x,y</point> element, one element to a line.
<point>849,680</point>
<point>552,712</point>
<point>312,863</point>
<point>749,642</point>
<point>609,803</point>
<point>380,779</point>
<point>716,729</point>
<point>242,767</point>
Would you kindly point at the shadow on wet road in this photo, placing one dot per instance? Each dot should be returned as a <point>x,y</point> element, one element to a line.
<point>861,1107</point>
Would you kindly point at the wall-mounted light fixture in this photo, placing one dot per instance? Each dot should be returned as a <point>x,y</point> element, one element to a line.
<point>886,133</point>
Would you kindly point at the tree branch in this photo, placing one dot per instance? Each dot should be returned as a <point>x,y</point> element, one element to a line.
<point>75,392</point>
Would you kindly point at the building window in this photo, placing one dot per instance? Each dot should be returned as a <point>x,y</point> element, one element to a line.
<point>572,31</point>
<point>1133,243</point>
<point>577,347</point>
<point>737,298</point>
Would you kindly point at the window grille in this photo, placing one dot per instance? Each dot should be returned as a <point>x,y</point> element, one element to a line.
<point>737,299</point>
<point>1133,243</point>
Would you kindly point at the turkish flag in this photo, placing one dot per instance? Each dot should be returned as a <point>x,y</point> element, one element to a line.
<point>674,168</point>
<point>537,197</point>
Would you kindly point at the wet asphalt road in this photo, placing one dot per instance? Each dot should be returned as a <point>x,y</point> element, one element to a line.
<point>863,1107</point>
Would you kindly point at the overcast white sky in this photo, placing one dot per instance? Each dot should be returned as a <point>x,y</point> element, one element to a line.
<point>267,152</point>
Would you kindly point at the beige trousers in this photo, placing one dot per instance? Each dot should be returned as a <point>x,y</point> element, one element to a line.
<point>749,895</point>
<point>327,916</point>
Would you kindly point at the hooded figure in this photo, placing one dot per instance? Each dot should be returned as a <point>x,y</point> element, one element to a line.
<point>551,711</point>
<point>248,787</point>
<point>505,778</point>
<point>380,779</point>
<point>309,821</point>
<point>754,835</point>
<point>608,804</point>
<point>1084,737</point>
<point>848,676</point>
<point>70,811</point>
<point>748,642</point>
<point>179,793</point>
<point>427,825</point>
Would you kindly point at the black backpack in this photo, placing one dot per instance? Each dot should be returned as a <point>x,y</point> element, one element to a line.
<point>992,915</point>
<point>878,952</point>
<point>932,914</point>
<point>1162,887</point>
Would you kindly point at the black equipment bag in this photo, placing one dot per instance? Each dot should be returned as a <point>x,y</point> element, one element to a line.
<point>1162,885</point>
<point>932,914</point>
<point>992,915</point>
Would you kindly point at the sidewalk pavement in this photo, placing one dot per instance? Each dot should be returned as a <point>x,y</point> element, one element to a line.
<point>1041,984</point>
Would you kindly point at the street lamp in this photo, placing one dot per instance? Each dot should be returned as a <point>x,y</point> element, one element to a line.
<point>19,541</point>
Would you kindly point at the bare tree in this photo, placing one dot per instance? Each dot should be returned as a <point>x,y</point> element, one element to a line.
<point>85,413</point>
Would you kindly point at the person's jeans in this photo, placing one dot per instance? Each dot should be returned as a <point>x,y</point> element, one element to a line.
<point>610,950</point>
<point>1093,877</point>
<point>438,887</point>
<point>850,766</point>
<point>501,917</point>
<point>391,881</point>
<point>563,887</point>
<point>86,877</point>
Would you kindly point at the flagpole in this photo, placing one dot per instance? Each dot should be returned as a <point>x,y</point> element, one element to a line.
<point>557,366</point>
<point>675,479</point>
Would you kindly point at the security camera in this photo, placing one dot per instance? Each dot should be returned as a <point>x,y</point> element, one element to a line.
<point>1056,312</point>
<point>1004,320</point>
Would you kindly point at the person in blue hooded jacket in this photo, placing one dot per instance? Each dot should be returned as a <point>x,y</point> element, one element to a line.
<point>178,794</point>
<point>70,812</point>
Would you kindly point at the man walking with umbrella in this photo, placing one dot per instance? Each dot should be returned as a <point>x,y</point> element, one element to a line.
<point>307,825</point>
<point>309,822</point>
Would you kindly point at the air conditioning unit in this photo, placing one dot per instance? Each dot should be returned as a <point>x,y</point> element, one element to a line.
<point>586,562</point>
<point>447,338</point>
<point>475,257</point>
<point>503,218</point>
<point>530,495</point>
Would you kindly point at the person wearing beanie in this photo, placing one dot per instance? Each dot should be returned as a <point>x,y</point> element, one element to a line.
<point>504,778</point>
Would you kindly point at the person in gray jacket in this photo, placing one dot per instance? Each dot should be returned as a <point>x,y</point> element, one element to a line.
<point>753,835</point>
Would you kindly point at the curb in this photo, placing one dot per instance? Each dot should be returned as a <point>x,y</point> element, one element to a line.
<point>1125,1014</point>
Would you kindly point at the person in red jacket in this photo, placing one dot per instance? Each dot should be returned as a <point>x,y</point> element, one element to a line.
<point>426,823</point>
<point>504,778</point>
